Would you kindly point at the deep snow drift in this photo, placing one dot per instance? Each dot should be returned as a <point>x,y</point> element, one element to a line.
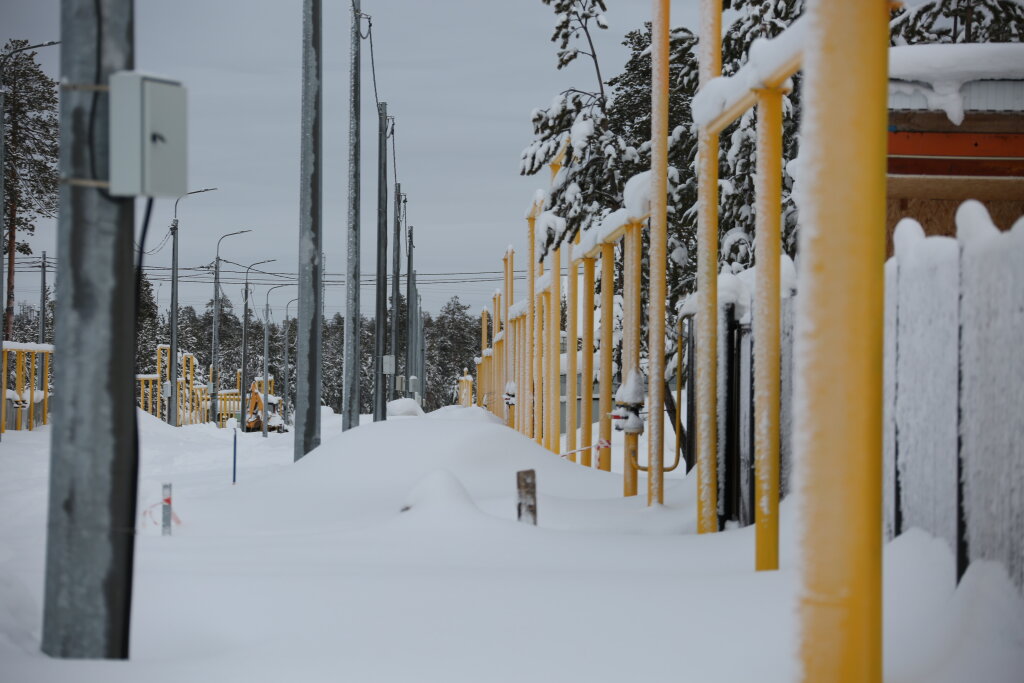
<point>312,571</point>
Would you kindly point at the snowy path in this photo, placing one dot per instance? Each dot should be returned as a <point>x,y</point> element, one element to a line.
<point>310,572</point>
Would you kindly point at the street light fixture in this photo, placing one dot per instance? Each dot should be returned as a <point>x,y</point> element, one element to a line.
<point>215,350</point>
<point>172,409</point>
<point>266,355</point>
<point>244,389</point>
<point>3,136</point>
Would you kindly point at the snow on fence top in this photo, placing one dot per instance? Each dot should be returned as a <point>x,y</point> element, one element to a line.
<point>539,197</point>
<point>738,288</point>
<point>637,200</point>
<point>766,61</point>
<point>27,346</point>
<point>939,72</point>
<point>542,283</point>
<point>518,309</point>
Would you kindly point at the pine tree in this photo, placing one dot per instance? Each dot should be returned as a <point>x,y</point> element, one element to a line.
<point>30,155</point>
<point>452,340</point>
<point>959,21</point>
<point>147,330</point>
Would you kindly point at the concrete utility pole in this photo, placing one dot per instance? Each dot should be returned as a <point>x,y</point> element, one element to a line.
<point>380,396</point>
<point>243,389</point>
<point>286,372</point>
<point>42,303</point>
<point>266,355</point>
<point>350,369</point>
<point>172,408</point>
<point>310,330</point>
<point>396,268</point>
<point>90,542</point>
<point>215,348</point>
<point>410,306</point>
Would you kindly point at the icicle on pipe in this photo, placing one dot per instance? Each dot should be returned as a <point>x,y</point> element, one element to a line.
<point>838,384</point>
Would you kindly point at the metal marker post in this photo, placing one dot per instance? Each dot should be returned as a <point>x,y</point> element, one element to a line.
<point>165,529</point>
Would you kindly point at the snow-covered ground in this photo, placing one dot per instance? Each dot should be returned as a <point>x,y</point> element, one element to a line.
<point>312,571</point>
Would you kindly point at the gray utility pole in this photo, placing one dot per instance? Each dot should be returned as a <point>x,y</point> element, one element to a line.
<point>266,356</point>
<point>409,307</point>
<point>380,329</point>
<point>215,346</point>
<point>3,135</point>
<point>172,408</point>
<point>90,540</point>
<point>286,371</point>
<point>243,390</point>
<point>42,301</point>
<point>309,366</point>
<point>396,268</point>
<point>42,316</point>
<point>350,369</point>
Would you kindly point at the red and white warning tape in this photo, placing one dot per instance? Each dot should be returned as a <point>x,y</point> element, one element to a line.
<point>601,443</point>
<point>148,512</point>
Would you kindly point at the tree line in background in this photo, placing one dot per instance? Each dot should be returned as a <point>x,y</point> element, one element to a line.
<point>607,125</point>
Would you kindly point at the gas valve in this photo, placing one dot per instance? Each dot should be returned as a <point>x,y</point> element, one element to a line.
<point>626,418</point>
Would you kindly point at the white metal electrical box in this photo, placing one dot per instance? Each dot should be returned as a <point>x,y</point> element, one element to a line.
<point>148,136</point>
<point>389,364</point>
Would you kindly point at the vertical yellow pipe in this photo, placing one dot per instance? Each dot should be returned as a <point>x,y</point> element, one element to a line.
<point>707,282</point>
<point>604,457</point>
<point>19,385</point>
<point>633,258</point>
<point>555,314</point>
<point>483,358</point>
<point>32,391</point>
<point>571,354</point>
<point>767,292</point>
<point>679,387</point>
<point>538,360</point>
<point>496,401</point>
<point>510,338</point>
<point>3,384</point>
<point>46,387</point>
<point>838,384</point>
<point>587,381</point>
<point>657,262</point>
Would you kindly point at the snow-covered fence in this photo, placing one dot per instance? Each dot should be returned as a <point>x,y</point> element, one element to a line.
<point>954,386</point>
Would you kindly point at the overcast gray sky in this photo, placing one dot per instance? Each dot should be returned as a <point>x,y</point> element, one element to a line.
<point>460,76</point>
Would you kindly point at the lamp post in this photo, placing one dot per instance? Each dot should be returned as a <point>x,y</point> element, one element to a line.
<point>3,136</point>
<point>243,389</point>
<point>284,389</point>
<point>266,356</point>
<point>215,350</point>
<point>172,409</point>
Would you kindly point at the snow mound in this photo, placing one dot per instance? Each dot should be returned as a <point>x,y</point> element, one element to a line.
<point>471,414</point>
<point>440,494</point>
<point>404,407</point>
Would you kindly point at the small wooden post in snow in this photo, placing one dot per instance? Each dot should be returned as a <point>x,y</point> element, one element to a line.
<point>526,510</point>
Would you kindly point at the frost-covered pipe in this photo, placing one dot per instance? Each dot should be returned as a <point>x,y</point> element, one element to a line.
<point>710,66</point>
<point>837,405</point>
<point>658,253</point>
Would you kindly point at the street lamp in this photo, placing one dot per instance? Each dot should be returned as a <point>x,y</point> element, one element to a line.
<point>284,392</point>
<point>243,390</point>
<point>215,350</point>
<point>3,136</point>
<point>266,355</point>
<point>172,409</point>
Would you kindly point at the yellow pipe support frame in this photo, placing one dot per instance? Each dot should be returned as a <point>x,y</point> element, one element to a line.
<point>555,315</point>
<point>657,263</point>
<point>587,380</point>
<point>839,338</point>
<point>537,305</point>
<point>571,377</point>
<point>631,309</point>
<point>707,282</point>
<point>604,453</point>
<point>767,359</point>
